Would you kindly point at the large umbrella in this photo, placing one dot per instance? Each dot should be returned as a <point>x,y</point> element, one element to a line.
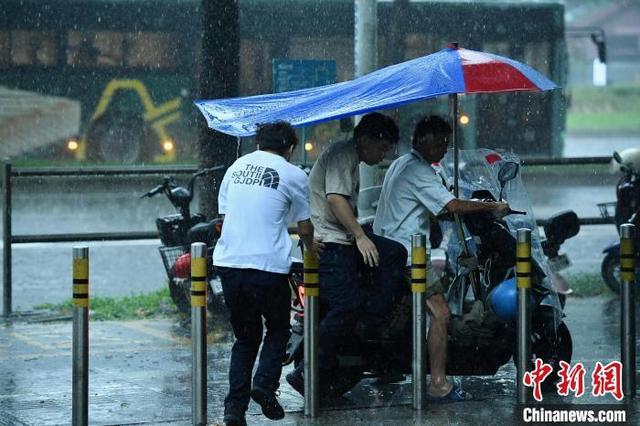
<point>451,71</point>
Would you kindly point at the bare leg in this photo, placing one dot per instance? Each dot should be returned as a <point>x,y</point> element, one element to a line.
<point>437,344</point>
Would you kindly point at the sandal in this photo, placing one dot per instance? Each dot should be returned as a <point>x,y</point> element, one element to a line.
<point>456,394</point>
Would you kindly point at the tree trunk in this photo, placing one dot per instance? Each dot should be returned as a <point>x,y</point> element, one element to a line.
<point>218,79</point>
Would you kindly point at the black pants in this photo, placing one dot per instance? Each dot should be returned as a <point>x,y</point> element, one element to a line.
<point>343,301</point>
<point>252,295</point>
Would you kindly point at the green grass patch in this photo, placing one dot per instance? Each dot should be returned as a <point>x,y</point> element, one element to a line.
<point>587,285</point>
<point>629,120</point>
<point>138,306</point>
<point>604,108</point>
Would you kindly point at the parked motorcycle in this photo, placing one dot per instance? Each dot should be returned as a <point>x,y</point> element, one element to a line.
<point>482,336</point>
<point>177,232</point>
<point>627,210</point>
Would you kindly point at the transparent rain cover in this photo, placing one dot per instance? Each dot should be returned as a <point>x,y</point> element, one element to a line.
<point>479,171</point>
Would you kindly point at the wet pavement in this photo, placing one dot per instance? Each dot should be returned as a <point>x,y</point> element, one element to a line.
<point>140,373</point>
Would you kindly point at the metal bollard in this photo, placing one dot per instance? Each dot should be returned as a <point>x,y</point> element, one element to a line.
<point>311,335</point>
<point>199,333</point>
<point>627,309</point>
<point>80,351</point>
<point>419,261</point>
<point>6,238</point>
<point>523,277</point>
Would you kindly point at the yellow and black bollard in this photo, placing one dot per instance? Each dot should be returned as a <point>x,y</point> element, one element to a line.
<point>419,261</point>
<point>80,351</point>
<point>627,309</point>
<point>311,337</point>
<point>199,332</point>
<point>523,278</point>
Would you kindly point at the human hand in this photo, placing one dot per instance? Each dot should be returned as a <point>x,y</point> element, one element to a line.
<point>500,209</point>
<point>316,248</point>
<point>368,250</point>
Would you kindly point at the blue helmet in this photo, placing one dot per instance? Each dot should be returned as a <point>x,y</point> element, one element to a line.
<point>504,300</point>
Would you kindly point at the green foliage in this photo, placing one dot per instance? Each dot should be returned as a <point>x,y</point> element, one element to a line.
<point>587,285</point>
<point>604,108</point>
<point>136,306</point>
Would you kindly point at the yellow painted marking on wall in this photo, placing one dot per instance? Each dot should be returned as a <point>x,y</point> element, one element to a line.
<point>157,111</point>
<point>159,126</point>
<point>151,110</point>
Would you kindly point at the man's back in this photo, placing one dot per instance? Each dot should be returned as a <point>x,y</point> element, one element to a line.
<point>410,193</point>
<point>260,194</point>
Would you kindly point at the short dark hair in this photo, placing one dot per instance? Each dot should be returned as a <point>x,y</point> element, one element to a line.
<point>431,124</point>
<point>378,127</point>
<point>277,136</point>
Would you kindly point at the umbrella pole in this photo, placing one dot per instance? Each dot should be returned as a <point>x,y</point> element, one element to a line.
<point>453,108</point>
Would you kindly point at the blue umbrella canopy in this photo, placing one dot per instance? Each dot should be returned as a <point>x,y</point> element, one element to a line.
<point>449,71</point>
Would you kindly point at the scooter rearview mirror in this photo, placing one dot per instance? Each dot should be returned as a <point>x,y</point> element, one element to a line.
<point>507,172</point>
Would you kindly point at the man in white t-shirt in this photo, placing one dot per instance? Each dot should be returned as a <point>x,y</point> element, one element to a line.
<point>411,192</point>
<point>260,194</point>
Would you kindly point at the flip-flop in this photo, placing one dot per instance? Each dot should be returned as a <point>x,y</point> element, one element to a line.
<point>456,394</point>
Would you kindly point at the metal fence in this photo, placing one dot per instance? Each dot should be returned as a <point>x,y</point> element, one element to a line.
<point>10,173</point>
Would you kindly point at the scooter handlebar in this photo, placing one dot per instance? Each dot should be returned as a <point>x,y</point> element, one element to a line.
<point>154,191</point>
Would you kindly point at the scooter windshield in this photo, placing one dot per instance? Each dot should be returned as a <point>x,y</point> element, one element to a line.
<point>479,170</point>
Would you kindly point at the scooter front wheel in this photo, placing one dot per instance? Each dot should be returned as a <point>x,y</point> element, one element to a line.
<point>611,272</point>
<point>552,351</point>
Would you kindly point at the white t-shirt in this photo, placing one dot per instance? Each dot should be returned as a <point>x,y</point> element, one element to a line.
<point>260,194</point>
<point>410,191</point>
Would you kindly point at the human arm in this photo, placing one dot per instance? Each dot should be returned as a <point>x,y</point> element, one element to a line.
<point>342,210</point>
<point>462,207</point>
<point>305,232</point>
<point>428,189</point>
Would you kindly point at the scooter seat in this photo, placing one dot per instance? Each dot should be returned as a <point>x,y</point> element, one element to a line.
<point>206,232</point>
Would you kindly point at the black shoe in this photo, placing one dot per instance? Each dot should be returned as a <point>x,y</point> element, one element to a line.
<point>271,408</point>
<point>296,380</point>
<point>234,417</point>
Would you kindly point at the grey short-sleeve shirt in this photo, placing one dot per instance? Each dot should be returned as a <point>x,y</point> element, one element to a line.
<point>335,172</point>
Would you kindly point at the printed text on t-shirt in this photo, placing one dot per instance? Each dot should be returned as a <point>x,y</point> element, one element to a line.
<point>257,175</point>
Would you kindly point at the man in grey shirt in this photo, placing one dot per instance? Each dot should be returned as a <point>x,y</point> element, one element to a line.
<point>334,185</point>
<point>411,192</point>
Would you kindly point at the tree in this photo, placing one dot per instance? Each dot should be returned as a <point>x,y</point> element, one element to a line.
<point>218,79</point>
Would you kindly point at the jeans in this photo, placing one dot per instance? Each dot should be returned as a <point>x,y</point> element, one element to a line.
<point>385,280</point>
<point>343,301</point>
<point>251,295</point>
